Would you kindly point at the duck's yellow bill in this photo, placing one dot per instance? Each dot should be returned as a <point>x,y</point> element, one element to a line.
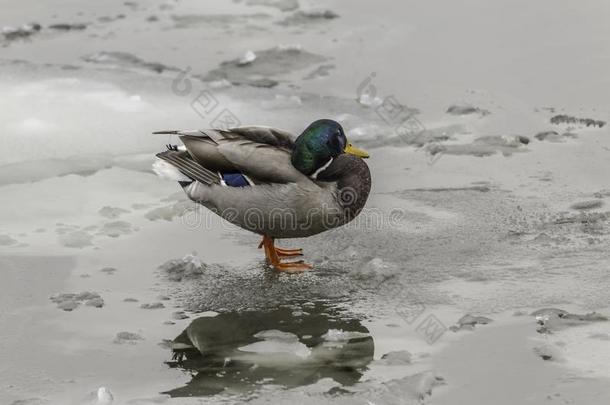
<point>352,150</point>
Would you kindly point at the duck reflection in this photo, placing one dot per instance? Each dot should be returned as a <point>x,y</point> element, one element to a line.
<point>237,352</point>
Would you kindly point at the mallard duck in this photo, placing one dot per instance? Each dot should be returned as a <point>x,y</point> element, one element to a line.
<point>267,182</point>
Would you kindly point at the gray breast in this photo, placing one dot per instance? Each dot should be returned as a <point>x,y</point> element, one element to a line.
<point>353,181</point>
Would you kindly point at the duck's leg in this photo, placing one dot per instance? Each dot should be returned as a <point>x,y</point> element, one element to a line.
<point>274,260</point>
<point>282,252</point>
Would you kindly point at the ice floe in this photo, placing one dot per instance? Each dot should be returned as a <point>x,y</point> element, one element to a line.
<point>188,267</point>
<point>276,341</point>
<point>76,239</point>
<point>112,212</point>
<point>268,63</point>
<point>303,17</point>
<point>127,61</point>
<point>71,301</point>
<point>127,337</point>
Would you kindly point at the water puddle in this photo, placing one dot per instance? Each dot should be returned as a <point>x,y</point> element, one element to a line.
<point>238,352</point>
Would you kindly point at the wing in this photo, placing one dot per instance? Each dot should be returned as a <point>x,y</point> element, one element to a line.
<point>261,153</point>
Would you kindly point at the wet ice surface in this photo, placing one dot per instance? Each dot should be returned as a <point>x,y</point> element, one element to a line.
<point>239,352</point>
<point>492,201</point>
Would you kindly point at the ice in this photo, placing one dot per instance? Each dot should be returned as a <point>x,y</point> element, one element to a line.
<point>374,269</point>
<point>276,341</point>
<point>117,228</point>
<point>487,146</point>
<point>153,305</point>
<point>127,60</point>
<point>71,301</point>
<point>290,47</point>
<point>339,337</point>
<point>39,133</point>
<point>95,302</point>
<point>468,322</point>
<point>304,17</point>
<point>171,211</point>
<point>25,31</point>
<point>6,240</point>
<point>568,119</point>
<point>268,63</point>
<point>217,21</point>
<point>282,5</point>
<point>220,84</point>
<point>104,396</point>
<point>486,228</point>
<point>187,267</point>
<point>76,239</point>
<point>247,58</point>
<point>281,101</point>
<point>68,26</point>
<point>36,170</point>
<point>368,101</point>
<point>466,110</point>
<point>179,315</point>
<point>587,205</point>
<point>112,212</point>
<point>127,337</point>
<point>549,352</point>
<point>319,72</point>
<point>397,358</point>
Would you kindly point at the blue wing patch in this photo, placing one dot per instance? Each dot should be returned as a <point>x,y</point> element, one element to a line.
<point>235,179</point>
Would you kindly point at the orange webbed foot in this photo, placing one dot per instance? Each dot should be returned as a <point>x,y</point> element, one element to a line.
<point>274,254</point>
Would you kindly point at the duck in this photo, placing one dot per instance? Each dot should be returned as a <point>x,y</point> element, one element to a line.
<point>269,182</point>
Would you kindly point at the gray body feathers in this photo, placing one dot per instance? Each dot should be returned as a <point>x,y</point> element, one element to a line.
<point>283,202</point>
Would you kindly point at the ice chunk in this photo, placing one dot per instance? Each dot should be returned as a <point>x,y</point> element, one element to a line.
<point>108,270</point>
<point>549,351</point>
<point>303,17</point>
<point>276,341</point>
<point>270,64</point>
<point>153,305</point>
<point>104,396</point>
<point>187,267</point>
<point>465,110</point>
<point>587,205</point>
<point>26,30</point>
<point>127,60</point>
<point>127,337</point>
<point>468,322</point>
<point>397,358</point>
<point>339,337</point>
<point>68,26</point>
<point>247,58</point>
<point>368,101</point>
<point>71,301</point>
<point>95,302</point>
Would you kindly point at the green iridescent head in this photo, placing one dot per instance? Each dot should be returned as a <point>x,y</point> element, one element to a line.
<point>321,141</point>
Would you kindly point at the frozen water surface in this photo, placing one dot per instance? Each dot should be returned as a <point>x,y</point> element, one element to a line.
<point>483,203</point>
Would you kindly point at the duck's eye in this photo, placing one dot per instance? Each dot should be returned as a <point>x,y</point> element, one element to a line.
<point>334,142</point>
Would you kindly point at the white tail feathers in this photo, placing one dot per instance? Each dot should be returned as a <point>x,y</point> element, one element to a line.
<point>167,171</point>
